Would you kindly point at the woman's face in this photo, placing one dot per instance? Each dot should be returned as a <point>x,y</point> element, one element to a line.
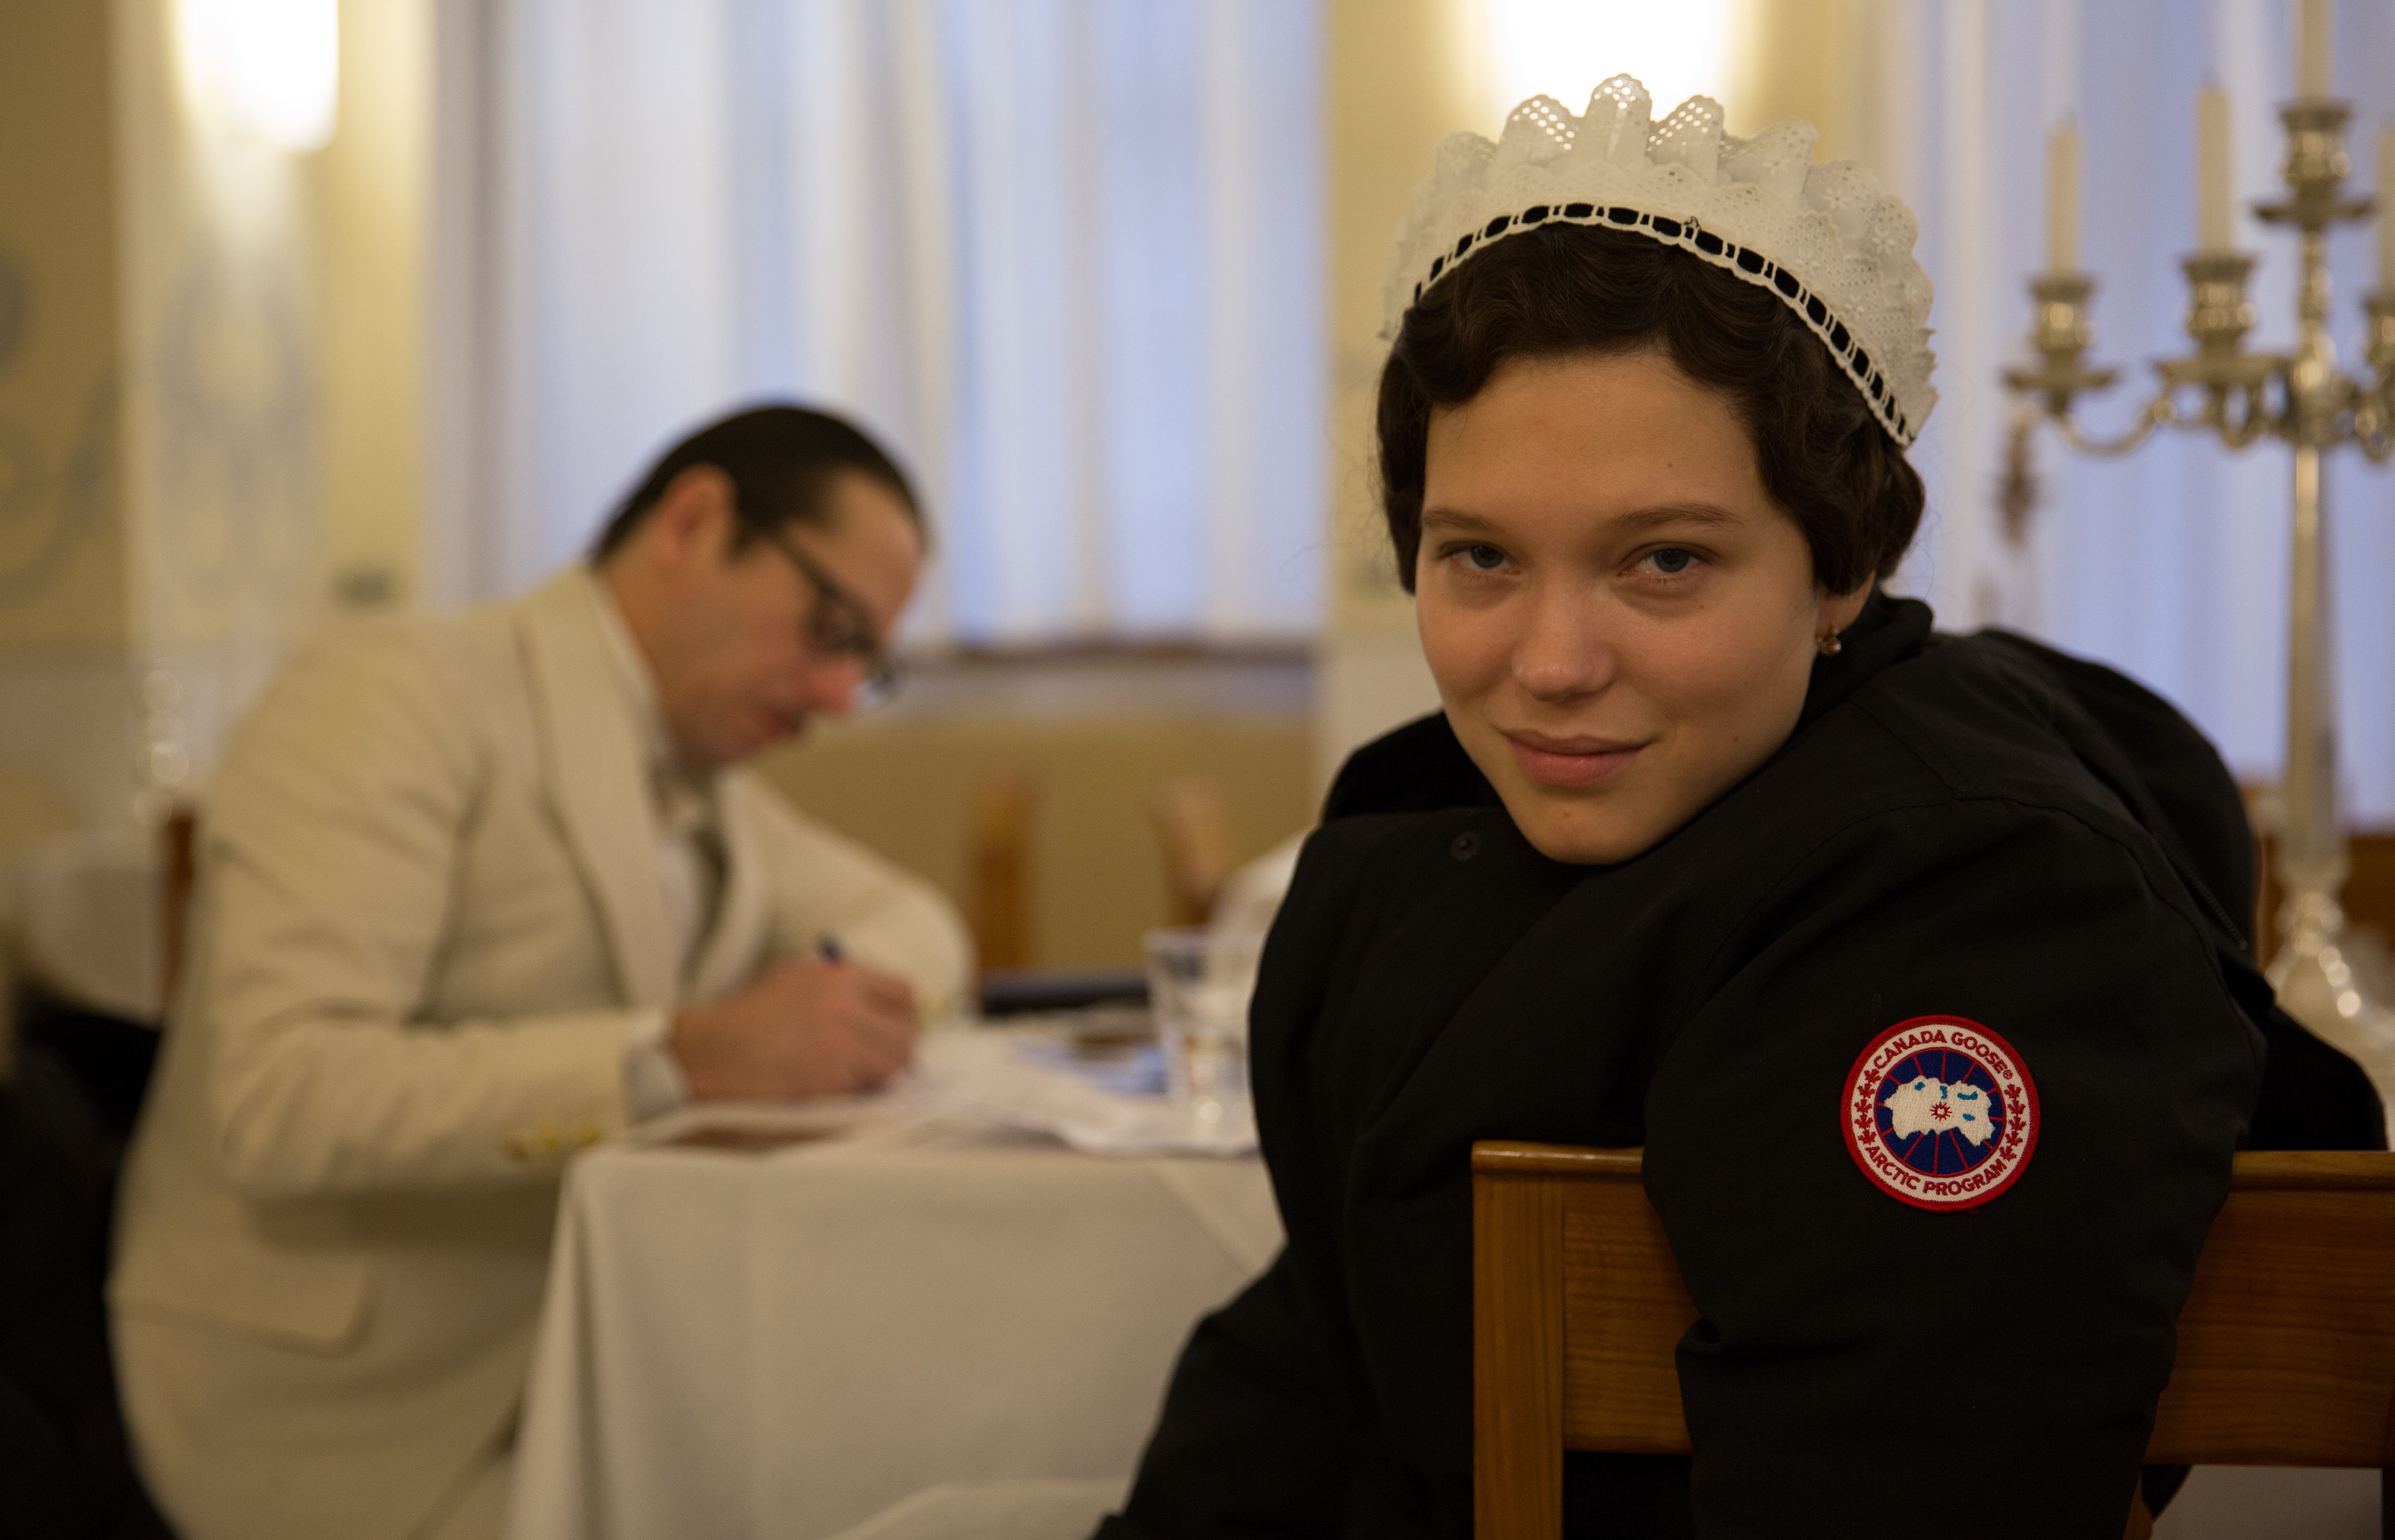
<point>1620,620</point>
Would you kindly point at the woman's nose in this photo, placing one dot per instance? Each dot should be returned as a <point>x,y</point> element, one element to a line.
<point>1562,650</point>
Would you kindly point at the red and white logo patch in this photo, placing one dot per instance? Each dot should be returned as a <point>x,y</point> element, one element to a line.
<point>1940,1112</point>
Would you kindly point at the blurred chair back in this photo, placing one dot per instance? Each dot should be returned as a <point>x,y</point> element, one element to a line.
<point>2286,1345</point>
<point>179,846</point>
<point>1195,831</point>
<point>999,862</point>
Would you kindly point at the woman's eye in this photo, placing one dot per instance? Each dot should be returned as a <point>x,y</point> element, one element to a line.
<point>1671,561</point>
<point>1482,559</point>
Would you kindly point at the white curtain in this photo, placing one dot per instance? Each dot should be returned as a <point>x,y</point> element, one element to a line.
<point>1064,256</point>
<point>2170,563</point>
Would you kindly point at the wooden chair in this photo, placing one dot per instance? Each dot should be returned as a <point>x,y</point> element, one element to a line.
<point>2286,1345</point>
<point>179,872</point>
<point>998,859</point>
<point>1193,832</point>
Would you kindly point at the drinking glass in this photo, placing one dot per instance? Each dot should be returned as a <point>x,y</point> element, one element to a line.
<point>1198,984</point>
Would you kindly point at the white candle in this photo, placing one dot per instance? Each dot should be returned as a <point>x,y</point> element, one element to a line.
<point>2214,222</point>
<point>2386,210</point>
<point>2062,199</point>
<point>2314,76</point>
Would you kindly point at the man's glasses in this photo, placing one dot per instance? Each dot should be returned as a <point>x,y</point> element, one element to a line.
<point>837,627</point>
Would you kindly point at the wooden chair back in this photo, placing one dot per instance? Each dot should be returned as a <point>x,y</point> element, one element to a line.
<point>179,872</point>
<point>998,860</point>
<point>1193,832</point>
<point>2286,1345</point>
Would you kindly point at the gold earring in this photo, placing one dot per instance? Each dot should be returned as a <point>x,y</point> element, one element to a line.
<point>1828,644</point>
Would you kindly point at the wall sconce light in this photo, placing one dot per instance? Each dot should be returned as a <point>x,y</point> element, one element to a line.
<point>266,68</point>
<point>1565,47</point>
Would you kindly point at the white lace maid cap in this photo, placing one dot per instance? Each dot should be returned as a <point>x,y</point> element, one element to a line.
<point>1827,238</point>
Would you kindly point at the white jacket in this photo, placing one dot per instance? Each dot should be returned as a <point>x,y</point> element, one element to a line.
<point>429,905</point>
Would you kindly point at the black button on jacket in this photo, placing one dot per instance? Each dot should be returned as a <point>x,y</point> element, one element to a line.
<point>1975,828</point>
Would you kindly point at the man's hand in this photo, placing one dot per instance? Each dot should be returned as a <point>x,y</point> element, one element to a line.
<point>804,1027</point>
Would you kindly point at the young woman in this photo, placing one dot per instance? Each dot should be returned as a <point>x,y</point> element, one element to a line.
<point>1914,963</point>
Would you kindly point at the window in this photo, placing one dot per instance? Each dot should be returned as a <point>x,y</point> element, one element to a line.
<point>1064,256</point>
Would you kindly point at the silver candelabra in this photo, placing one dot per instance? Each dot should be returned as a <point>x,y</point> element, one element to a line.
<point>2305,399</point>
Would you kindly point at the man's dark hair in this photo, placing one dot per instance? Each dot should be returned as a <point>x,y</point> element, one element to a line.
<point>1569,289</point>
<point>782,461</point>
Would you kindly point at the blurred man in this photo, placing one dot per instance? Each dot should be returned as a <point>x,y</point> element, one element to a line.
<point>475,893</point>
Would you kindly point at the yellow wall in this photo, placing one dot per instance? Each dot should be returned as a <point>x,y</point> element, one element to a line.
<point>1845,66</point>
<point>369,187</point>
<point>1400,78</point>
<point>209,385</point>
<point>61,545</point>
<point>275,301</point>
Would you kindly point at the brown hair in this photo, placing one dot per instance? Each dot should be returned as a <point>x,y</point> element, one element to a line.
<point>1570,289</point>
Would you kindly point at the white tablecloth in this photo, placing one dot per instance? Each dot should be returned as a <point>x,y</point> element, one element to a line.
<point>776,1345</point>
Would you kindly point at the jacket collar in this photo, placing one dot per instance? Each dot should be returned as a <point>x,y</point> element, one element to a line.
<point>597,770</point>
<point>1888,631</point>
<point>633,681</point>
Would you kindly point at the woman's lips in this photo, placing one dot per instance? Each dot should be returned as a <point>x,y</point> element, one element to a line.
<point>1569,762</point>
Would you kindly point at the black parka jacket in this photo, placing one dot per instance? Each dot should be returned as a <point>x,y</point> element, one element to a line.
<point>1974,828</point>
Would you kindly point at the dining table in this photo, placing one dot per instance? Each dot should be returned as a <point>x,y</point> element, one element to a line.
<point>776,1323</point>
